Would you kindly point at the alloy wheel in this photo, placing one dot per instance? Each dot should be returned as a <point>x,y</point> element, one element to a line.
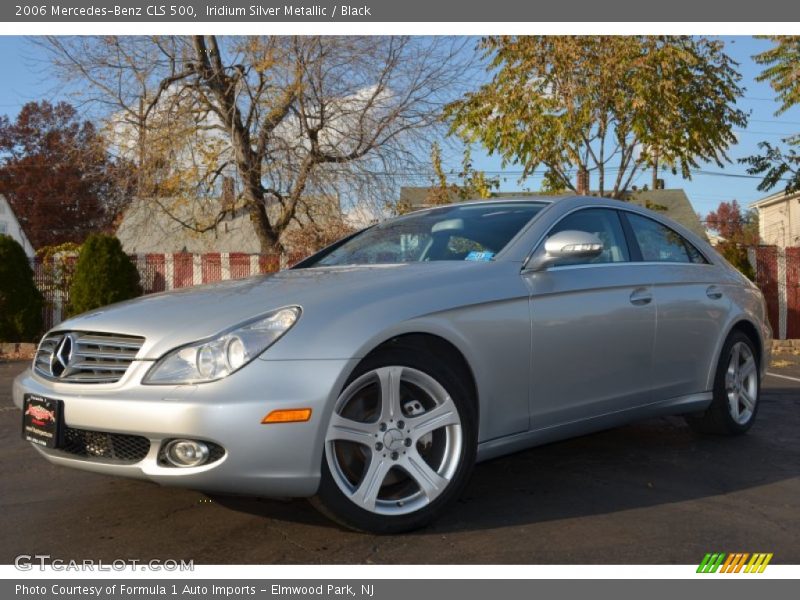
<point>741,383</point>
<point>395,440</point>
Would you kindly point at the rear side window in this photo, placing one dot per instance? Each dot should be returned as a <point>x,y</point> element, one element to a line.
<point>659,243</point>
<point>605,224</point>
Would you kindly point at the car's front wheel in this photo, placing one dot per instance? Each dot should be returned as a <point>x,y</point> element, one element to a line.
<point>400,445</point>
<point>737,386</point>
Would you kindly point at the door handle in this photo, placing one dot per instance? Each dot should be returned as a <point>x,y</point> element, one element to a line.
<point>641,296</point>
<point>713,292</point>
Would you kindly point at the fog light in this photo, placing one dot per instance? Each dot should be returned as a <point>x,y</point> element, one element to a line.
<point>186,453</point>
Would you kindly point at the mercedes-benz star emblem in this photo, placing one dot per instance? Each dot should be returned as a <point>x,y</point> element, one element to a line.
<point>60,359</point>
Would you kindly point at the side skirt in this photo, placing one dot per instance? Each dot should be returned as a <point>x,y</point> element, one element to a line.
<point>537,437</point>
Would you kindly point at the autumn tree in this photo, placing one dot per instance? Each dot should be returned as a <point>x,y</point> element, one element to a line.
<point>612,105</point>
<point>734,223</point>
<point>739,229</point>
<point>312,237</point>
<point>470,184</point>
<point>56,173</point>
<point>780,163</point>
<point>290,119</point>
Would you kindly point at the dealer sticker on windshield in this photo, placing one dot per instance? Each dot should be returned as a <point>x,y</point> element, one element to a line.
<point>475,255</point>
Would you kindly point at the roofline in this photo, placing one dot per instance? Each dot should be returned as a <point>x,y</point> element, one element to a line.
<point>773,199</point>
<point>521,200</point>
<point>13,215</point>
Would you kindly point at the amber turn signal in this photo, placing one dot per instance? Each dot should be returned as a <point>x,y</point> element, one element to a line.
<point>289,415</point>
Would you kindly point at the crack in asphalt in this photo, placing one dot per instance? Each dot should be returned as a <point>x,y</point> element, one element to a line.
<point>288,538</point>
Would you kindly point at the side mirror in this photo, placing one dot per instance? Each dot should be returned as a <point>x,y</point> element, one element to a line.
<point>565,245</point>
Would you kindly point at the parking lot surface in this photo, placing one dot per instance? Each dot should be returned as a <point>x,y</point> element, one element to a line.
<point>652,492</point>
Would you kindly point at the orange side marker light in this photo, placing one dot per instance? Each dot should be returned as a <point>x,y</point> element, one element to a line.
<point>288,415</point>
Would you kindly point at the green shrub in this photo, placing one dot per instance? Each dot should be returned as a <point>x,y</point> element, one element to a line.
<point>20,301</point>
<point>103,275</point>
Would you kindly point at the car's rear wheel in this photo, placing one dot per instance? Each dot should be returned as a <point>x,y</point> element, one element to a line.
<point>737,386</point>
<point>400,445</point>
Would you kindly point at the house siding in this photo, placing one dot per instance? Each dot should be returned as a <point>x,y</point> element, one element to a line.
<point>779,222</point>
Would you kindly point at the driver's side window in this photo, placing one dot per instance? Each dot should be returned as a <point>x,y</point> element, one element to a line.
<point>606,225</point>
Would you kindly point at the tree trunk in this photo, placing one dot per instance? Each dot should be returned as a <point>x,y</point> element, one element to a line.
<point>655,170</point>
<point>583,180</point>
<point>268,240</point>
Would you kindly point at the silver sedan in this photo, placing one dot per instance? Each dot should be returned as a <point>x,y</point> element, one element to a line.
<point>372,376</point>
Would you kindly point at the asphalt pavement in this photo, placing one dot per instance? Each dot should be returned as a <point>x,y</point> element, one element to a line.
<point>648,493</point>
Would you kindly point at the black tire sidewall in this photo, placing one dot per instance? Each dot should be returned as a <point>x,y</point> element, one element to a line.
<point>339,507</point>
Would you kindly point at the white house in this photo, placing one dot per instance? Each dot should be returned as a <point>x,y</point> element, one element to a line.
<point>779,219</point>
<point>9,225</point>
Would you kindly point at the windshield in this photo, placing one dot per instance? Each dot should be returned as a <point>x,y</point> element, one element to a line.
<point>466,232</point>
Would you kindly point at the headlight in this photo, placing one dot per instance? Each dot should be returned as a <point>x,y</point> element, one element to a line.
<point>214,359</point>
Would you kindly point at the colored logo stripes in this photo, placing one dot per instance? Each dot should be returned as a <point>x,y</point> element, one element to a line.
<point>734,563</point>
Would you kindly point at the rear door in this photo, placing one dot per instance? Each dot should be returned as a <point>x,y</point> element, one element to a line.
<point>691,307</point>
<point>592,328</point>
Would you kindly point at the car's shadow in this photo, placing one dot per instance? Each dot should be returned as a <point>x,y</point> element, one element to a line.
<point>654,462</point>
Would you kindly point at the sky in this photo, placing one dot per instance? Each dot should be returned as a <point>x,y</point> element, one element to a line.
<point>25,78</point>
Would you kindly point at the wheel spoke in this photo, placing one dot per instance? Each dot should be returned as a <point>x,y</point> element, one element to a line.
<point>429,481</point>
<point>389,379</point>
<point>733,400</point>
<point>730,380</point>
<point>748,400</point>
<point>442,415</point>
<point>367,492</point>
<point>348,430</point>
<point>735,358</point>
<point>747,369</point>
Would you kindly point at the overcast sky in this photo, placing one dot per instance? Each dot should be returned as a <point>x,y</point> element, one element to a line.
<point>25,78</point>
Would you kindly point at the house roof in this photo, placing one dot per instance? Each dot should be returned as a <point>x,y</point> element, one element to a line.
<point>673,203</point>
<point>774,199</point>
<point>150,225</point>
<point>8,216</point>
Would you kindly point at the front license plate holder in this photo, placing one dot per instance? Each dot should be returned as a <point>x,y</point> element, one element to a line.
<point>42,420</point>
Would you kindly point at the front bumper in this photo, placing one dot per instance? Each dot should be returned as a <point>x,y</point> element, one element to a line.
<point>280,459</point>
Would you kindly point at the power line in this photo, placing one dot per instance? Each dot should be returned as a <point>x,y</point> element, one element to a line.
<point>751,132</point>
<point>773,121</point>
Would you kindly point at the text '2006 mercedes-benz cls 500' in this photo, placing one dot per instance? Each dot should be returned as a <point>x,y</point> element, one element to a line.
<point>373,375</point>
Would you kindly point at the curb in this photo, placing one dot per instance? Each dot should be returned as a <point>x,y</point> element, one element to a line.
<point>785,344</point>
<point>17,351</point>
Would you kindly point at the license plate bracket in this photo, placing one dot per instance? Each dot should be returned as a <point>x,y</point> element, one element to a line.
<point>42,420</point>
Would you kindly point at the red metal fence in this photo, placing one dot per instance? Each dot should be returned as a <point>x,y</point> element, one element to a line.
<point>157,273</point>
<point>778,276</point>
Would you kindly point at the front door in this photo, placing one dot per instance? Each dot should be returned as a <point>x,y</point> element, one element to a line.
<point>593,329</point>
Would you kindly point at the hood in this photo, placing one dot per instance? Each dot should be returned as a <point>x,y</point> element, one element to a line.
<point>171,319</point>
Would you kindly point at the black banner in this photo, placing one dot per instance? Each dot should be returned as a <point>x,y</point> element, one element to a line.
<point>408,11</point>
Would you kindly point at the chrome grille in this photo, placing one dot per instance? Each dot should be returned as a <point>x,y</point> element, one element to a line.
<point>84,357</point>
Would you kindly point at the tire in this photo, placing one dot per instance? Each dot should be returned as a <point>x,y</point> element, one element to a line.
<point>737,389</point>
<point>401,443</point>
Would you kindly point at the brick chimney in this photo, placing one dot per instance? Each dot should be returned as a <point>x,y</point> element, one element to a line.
<point>583,181</point>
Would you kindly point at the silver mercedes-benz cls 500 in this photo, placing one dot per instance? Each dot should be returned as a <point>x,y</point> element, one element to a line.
<point>372,376</point>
